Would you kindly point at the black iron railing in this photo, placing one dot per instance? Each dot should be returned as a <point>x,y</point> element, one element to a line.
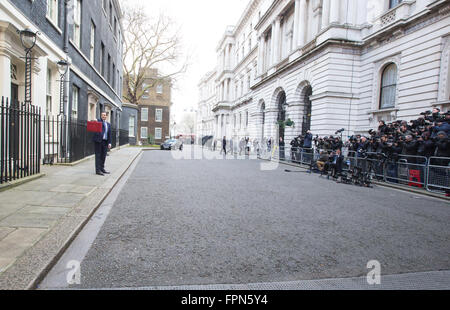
<point>20,140</point>
<point>67,140</point>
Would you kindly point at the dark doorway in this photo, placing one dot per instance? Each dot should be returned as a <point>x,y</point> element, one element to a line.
<point>263,111</point>
<point>281,113</point>
<point>307,110</point>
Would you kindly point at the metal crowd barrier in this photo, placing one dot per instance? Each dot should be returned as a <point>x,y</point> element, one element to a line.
<point>432,174</point>
<point>438,174</point>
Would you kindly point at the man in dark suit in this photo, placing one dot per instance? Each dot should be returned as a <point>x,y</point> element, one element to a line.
<point>102,142</point>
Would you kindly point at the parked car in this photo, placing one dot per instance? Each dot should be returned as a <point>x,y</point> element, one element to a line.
<point>172,144</point>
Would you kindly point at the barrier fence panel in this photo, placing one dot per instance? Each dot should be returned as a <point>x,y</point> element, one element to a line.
<point>20,140</point>
<point>407,170</point>
<point>438,174</point>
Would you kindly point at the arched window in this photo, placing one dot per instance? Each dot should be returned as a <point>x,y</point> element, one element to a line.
<point>388,87</point>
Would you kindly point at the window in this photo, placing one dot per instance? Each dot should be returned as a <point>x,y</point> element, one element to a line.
<point>240,120</point>
<point>159,89</point>
<point>159,115</point>
<point>144,132</point>
<point>394,3</point>
<point>131,126</point>
<point>158,133</point>
<point>144,115</point>
<point>92,54</point>
<point>49,92</point>
<point>75,98</point>
<point>109,69</point>
<point>52,11</point>
<point>113,75</point>
<point>388,87</point>
<point>77,23</point>
<point>102,56</point>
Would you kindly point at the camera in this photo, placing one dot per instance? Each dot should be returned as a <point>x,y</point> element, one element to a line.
<point>426,113</point>
<point>339,131</point>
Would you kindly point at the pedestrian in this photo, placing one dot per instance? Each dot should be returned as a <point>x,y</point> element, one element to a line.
<point>102,142</point>
<point>281,146</point>
<point>224,146</point>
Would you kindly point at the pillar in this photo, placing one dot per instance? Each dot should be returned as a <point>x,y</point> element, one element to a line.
<point>303,20</point>
<point>362,13</point>
<point>326,13</point>
<point>295,35</point>
<point>260,54</point>
<point>334,11</point>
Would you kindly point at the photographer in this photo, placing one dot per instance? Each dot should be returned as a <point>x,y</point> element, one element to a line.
<point>426,146</point>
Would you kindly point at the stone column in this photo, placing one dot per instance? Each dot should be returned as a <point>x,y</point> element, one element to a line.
<point>5,62</point>
<point>362,13</point>
<point>351,14</point>
<point>275,40</point>
<point>303,19</point>
<point>326,13</point>
<point>334,11</point>
<point>5,74</point>
<point>295,34</point>
<point>260,54</point>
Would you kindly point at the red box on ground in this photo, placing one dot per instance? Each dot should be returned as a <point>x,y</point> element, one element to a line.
<point>94,126</point>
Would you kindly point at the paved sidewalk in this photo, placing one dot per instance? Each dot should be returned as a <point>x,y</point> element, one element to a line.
<point>40,218</point>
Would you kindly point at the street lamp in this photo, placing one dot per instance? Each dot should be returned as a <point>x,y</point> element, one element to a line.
<point>28,40</point>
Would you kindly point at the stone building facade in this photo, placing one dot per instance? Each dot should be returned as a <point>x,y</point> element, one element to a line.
<point>331,64</point>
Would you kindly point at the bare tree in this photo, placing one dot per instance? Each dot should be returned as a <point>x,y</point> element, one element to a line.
<point>148,44</point>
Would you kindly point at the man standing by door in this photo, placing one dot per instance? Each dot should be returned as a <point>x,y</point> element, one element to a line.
<point>102,142</point>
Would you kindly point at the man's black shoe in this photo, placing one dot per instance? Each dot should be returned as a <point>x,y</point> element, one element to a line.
<point>100,173</point>
<point>105,172</point>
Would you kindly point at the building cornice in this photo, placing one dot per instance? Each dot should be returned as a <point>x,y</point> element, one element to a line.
<point>268,13</point>
<point>248,12</point>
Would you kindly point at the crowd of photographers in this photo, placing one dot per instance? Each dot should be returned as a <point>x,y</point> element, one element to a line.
<point>427,136</point>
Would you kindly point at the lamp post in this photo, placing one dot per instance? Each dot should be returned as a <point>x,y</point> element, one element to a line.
<point>28,40</point>
<point>63,66</point>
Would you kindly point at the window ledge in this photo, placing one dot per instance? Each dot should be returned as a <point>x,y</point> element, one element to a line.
<point>383,111</point>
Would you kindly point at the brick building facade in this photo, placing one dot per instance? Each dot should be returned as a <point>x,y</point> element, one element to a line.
<point>154,109</point>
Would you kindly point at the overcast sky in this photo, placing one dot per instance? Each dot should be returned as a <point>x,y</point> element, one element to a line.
<point>202,23</point>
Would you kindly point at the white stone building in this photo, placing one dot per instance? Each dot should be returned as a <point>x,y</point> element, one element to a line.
<point>331,64</point>
<point>205,116</point>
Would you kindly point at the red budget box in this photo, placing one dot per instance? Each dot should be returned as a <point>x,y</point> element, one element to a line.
<point>94,126</point>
